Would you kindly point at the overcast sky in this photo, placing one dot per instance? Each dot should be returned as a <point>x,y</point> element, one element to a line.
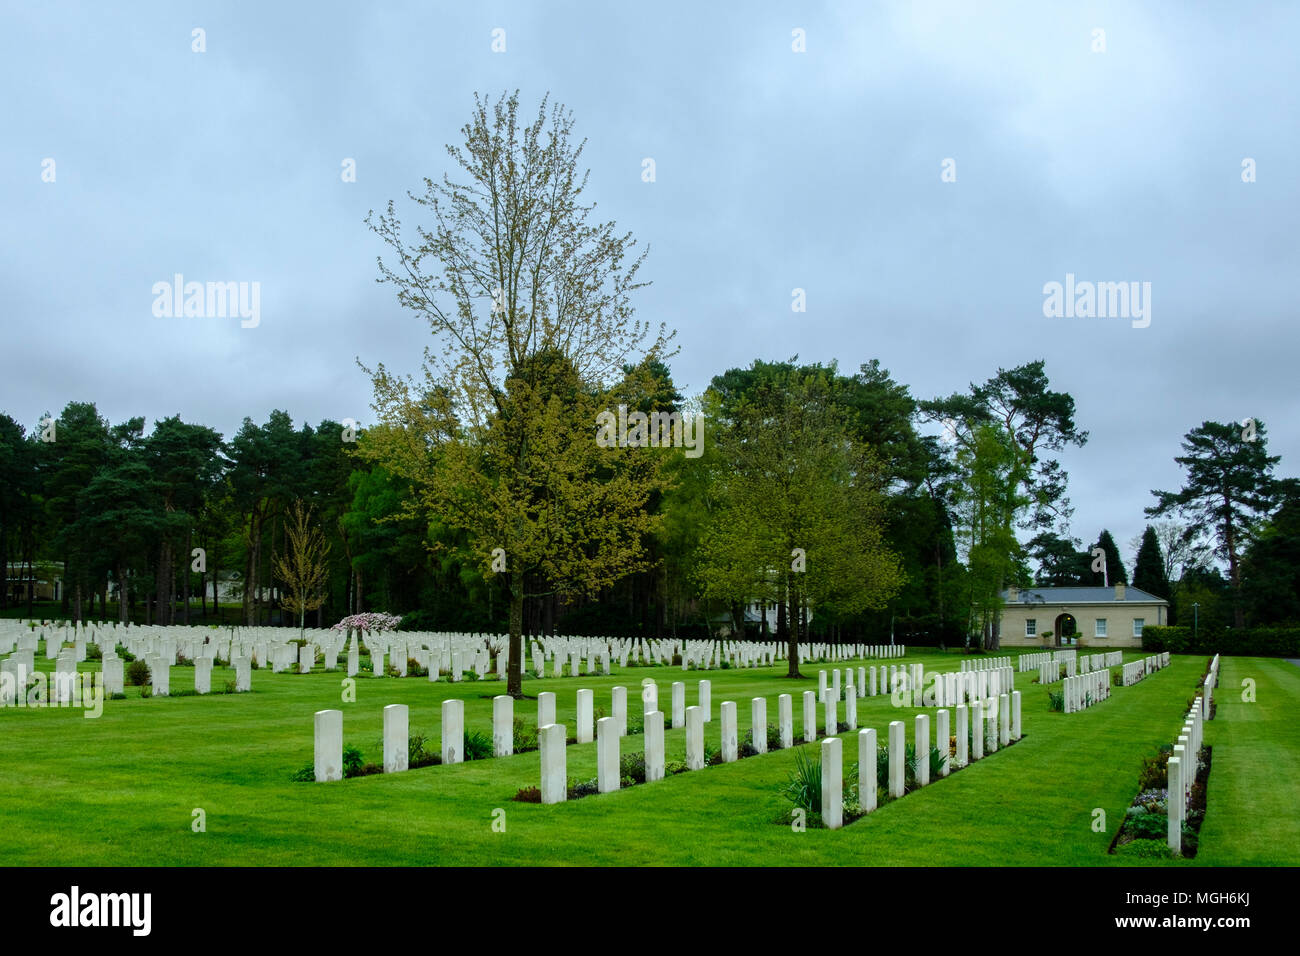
<point>775,170</point>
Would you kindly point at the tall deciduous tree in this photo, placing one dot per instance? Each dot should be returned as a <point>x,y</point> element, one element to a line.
<point>798,512</point>
<point>529,298</point>
<point>989,498</point>
<point>302,566</point>
<point>1229,486</point>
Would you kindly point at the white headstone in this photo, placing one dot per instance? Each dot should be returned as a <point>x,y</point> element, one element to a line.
<point>897,756</point>
<point>867,781</point>
<point>453,731</point>
<point>654,746</point>
<point>503,725</point>
<point>729,732</point>
<point>607,765</point>
<point>396,737</point>
<point>832,783</point>
<point>329,745</point>
<point>586,715</point>
<point>551,743</point>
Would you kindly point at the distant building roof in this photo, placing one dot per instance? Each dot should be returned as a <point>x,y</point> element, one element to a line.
<point>1091,595</point>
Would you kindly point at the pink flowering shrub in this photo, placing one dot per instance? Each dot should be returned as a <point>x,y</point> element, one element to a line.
<point>369,621</point>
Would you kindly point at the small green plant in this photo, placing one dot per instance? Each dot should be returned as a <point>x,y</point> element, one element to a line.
<point>631,768</point>
<point>352,761</point>
<point>525,736</point>
<point>1154,773</point>
<point>1056,700</point>
<point>804,788</point>
<point>418,754</point>
<point>478,745</point>
<point>137,673</point>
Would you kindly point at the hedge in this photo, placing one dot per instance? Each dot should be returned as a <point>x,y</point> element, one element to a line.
<point>1242,642</point>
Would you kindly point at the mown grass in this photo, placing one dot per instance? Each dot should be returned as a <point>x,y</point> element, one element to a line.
<point>121,790</point>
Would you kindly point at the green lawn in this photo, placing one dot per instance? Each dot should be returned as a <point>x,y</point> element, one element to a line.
<point>120,790</point>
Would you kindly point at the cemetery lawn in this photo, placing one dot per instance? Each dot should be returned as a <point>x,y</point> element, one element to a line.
<point>122,789</point>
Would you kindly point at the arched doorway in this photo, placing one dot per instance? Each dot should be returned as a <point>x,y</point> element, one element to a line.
<point>1065,628</point>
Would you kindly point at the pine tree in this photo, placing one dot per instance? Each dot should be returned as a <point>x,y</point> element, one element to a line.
<point>1115,572</point>
<point>1149,566</point>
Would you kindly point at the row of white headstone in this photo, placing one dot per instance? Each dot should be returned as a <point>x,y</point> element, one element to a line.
<point>552,737</point>
<point>913,687</point>
<point>1135,671</point>
<point>1182,769</point>
<point>986,664</point>
<point>1033,661</point>
<point>1084,690</point>
<point>19,670</point>
<point>995,733</point>
<point>1095,662</point>
<point>1207,687</point>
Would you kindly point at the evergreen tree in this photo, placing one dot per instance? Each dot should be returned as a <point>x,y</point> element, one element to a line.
<point>1149,566</point>
<point>1229,487</point>
<point>1115,572</point>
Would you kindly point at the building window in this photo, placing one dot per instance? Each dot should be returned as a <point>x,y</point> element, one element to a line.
<point>1101,627</point>
<point>1137,626</point>
<point>1031,627</point>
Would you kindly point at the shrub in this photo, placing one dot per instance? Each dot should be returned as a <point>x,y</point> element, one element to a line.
<point>94,653</point>
<point>631,767</point>
<point>529,795</point>
<point>352,762</point>
<point>1056,700</point>
<point>146,691</point>
<point>137,673</point>
<point>525,736</point>
<point>413,668</point>
<point>1146,825</point>
<point>1248,641</point>
<point>583,788</point>
<point>306,775</point>
<point>773,737</point>
<point>478,745</point>
<point>804,788</point>
<point>936,762</point>
<point>417,755</point>
<point>1154,774</point>
<point>232,687</point>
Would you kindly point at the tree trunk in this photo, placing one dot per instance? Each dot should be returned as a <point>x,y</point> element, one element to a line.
<point>783,623</point>
<point>185,582</point>
<point>514,669</point>
<point>122,607</point>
